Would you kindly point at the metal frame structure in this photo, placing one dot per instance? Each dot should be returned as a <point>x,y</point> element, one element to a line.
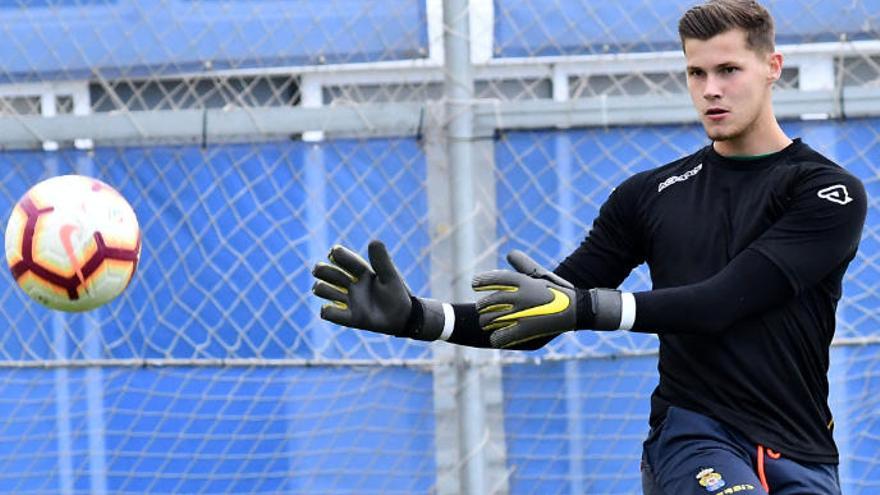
<point>820,95</point>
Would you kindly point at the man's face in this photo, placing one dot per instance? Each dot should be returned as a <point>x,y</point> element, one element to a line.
<point>730,84</point>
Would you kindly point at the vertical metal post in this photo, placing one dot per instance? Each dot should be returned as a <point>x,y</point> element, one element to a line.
<point>316,177</point>
<point>568,239</point>
<point>94,376</point>
<point>63,407</point>
<point>572,376</point>
<point>62,382</point>
<point>459,92</point>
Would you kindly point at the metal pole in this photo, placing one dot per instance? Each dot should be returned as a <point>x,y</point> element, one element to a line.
<point>459,92</point>
<point>94,377</point>
<point>63,401</point>
<point>572,376</point>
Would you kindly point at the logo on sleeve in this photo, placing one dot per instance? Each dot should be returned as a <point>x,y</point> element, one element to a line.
<point>836,194</point>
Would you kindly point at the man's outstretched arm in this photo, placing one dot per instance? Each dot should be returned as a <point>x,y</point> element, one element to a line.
<point>520,308</point>
<point>813,238</point>
<point>373,296</point>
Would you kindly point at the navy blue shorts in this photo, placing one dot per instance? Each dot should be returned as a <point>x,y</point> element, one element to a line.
<point>693,454</point>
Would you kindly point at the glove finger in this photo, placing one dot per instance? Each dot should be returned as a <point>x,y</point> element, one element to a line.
<point>336,314</point>
<point>494,306</point>
<point>516,335</point>
<point>523,263</point>
<point>490,322</point>
<point>381,263</point>
<point>330,292</point>
<point>349,261</point>
<point>494,301</point>
<point>333,275</point>
<point>504,280</point>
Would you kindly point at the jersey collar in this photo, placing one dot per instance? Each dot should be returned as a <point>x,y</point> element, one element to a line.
<point>752,163</point>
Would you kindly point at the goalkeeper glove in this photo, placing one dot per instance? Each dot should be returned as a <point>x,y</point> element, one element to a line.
<point>373,296</point>
<point>532,303</point>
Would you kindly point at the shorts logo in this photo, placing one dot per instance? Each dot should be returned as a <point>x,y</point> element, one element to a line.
<point>679,178</point>
<point>836,194</point>
<point>710,480</point>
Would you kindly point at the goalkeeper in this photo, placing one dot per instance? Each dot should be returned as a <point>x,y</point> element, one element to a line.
<point>747,241</point>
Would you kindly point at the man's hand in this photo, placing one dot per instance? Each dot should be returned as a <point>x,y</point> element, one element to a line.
<point>527,304</point>
<point>368,296</point>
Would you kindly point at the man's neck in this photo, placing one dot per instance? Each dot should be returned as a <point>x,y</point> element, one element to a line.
<point>760,140</point>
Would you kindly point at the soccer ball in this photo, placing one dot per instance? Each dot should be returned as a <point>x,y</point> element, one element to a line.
<point>72,243</point>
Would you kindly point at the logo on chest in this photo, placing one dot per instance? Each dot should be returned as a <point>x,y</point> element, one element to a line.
<point>679,178</point>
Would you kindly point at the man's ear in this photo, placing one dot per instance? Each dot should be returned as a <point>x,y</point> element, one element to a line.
<point>774,60</point>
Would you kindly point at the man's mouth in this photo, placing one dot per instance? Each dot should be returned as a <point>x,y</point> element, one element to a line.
<point>716,113</point>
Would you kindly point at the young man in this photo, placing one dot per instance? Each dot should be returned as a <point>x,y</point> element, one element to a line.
<point>747,241</point>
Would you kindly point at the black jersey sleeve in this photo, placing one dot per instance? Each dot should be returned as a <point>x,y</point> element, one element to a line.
<point>749,285</point>
<point>613,246</point>
<point>818,233</point>
<point>820,229</point>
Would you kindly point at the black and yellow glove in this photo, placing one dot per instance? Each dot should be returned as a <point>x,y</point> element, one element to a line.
<point>373,296</point>
<point>533,303</point>
<point>527,304</point>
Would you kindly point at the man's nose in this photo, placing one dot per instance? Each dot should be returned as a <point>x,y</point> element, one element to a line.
<point>712,90</point>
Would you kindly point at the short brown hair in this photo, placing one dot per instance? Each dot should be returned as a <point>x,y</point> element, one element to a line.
<point>719,16</point>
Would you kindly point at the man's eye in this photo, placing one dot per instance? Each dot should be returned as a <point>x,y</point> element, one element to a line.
<point>729,70</point>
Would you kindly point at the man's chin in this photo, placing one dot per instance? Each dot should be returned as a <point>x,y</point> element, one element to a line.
<point>720,135</point>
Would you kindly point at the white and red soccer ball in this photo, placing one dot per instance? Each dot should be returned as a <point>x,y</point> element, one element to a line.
<point>72,243</point>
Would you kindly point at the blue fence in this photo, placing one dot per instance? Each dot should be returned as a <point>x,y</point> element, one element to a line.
<point>529,28</point>
<point>75,39</point>
<point>231,232</point>
<point>230,236</point>
<point>203,430</point>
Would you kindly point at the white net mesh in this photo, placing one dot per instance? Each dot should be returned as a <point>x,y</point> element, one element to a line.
<point>251,136</point>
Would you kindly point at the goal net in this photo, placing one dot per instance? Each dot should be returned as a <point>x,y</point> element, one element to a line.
<point>251,136</point>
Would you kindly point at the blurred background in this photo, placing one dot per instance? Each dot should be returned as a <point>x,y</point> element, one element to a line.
<point>250,136</point>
